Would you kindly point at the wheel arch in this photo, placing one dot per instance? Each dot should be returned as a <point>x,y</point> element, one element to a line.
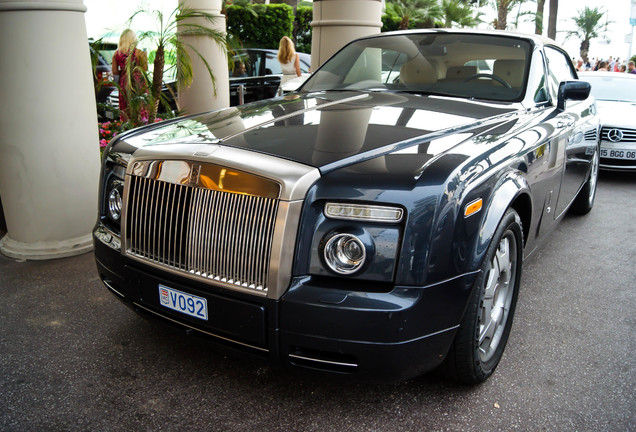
<point>512,191</point>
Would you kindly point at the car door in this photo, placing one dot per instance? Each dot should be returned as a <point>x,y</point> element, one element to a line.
<point>547,155</point>
<point>578,129</point>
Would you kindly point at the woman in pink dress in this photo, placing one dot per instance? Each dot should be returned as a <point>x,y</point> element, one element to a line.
<point>129,58</point>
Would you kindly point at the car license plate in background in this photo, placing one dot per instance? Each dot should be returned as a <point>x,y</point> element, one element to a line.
<point>618,154</point>
<point>182,302</point>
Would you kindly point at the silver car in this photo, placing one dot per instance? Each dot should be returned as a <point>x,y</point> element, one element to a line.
<point>615,94</point>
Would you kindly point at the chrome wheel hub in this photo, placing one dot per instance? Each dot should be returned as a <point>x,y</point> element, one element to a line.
<point>499,290</point>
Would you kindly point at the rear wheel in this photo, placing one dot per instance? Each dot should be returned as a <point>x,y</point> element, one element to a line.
<point>483,332</point>
<point>584,200</point>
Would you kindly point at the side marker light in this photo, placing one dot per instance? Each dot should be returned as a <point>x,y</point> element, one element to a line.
<point>473,207</point>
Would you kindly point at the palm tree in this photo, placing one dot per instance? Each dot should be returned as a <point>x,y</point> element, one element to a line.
<point>538,18</point>
<point>588,27</point>
<point>415,10</point>
<point>504,7</point>
<point>459,12</point>
<point>169,40</point>
<point>552,22</point>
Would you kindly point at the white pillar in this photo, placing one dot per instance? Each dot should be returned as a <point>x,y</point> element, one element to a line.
<point>49,151</point>
<point>200,95</point>
<point>338,22</point>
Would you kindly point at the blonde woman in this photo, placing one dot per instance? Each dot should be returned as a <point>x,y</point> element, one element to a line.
<point>126,48</point>
<point>289,60</point>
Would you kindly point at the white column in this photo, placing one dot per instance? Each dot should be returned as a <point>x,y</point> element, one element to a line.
<point>338,22</point>
<point>200,95</point>
<point>49,152</point>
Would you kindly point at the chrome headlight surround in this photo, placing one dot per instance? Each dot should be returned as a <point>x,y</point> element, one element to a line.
<point>112,196</point>
<point>114,200</point>
<point>345,253</point>
<point>356,240</point>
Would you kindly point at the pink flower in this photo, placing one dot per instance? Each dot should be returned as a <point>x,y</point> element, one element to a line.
<point>103,143</point>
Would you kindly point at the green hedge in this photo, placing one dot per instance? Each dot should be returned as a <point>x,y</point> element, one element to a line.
<point>390,23</point>
<point>304,16</point>
<point>263,29</point>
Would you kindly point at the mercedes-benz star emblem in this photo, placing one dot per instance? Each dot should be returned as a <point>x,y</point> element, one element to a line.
<point>615,135</point>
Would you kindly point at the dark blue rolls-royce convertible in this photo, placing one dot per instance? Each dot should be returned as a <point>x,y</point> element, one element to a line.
<point>371,224</point>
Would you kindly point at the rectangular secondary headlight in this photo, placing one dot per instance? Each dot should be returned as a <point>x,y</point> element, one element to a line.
<point>363,212</point>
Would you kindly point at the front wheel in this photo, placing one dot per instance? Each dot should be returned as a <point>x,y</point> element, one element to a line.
<point>483,332</point>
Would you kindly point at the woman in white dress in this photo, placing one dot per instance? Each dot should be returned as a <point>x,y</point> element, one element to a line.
<point>289,60</point>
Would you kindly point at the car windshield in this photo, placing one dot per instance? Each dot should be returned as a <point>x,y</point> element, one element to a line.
<point>462,65</point>
<point>612,88</point>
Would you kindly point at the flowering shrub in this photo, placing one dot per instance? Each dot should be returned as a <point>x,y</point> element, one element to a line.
<point>110,129</point>
<point>107,131</point>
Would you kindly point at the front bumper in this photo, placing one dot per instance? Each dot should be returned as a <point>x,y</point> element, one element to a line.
<point>318,324</point>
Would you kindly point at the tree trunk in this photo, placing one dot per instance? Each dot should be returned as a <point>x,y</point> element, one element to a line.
<point>552,23</point>
<point>502,14</point>
<point>157,80</point>
<point>585,48</point>
<point>538,18</point>
<point>404,24</point>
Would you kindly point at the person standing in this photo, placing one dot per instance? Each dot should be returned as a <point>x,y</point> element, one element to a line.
<point>128,58</point>
<point>579,65</point>
<point>289,60</point>
<point>630,68</point>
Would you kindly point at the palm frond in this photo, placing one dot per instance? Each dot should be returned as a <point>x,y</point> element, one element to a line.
<point>207,65</point>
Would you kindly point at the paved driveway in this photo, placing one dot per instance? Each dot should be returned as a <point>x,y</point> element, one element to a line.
<point>73,358</point>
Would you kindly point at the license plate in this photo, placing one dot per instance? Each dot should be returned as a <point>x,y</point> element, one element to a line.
<point>618,154</point>
<point>188,304</point>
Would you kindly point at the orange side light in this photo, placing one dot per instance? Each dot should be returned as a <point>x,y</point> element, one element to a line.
<point>473,207</point>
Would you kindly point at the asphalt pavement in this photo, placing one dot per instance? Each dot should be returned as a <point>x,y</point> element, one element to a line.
<point>72,357</point>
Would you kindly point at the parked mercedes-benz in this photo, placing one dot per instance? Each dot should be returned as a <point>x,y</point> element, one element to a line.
<point>615,94</point>
<point>372,224</point>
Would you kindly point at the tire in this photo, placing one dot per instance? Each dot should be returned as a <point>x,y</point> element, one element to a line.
<point>584,200</point>
<point>485,327</point>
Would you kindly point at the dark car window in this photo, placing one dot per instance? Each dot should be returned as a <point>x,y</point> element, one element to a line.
<point>559,69</point>
<point>257,58</point>
<point>272,65</point>
<point>243,66</point>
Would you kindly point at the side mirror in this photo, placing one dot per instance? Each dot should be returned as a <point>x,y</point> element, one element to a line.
<point>572,90</point>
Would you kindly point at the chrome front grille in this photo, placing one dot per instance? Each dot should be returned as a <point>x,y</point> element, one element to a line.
<point>193,224</point>
<point>626,135</point>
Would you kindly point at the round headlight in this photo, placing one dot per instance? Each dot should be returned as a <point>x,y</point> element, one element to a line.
<point>345,253</point>
<point>114,204</point>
